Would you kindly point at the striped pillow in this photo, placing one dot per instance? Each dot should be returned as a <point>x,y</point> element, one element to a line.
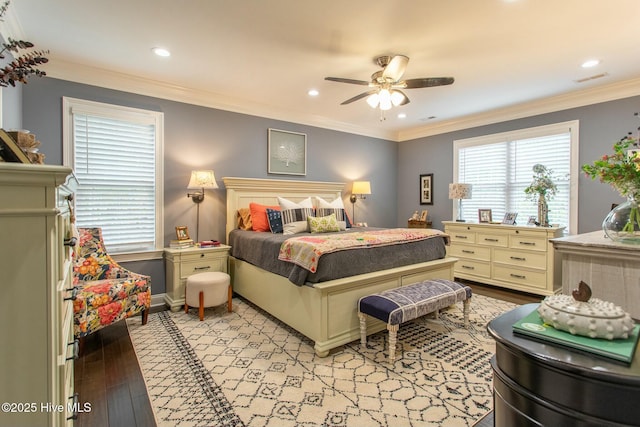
<point>295,220</point>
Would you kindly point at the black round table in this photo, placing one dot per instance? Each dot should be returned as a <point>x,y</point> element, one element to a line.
<point>539,384</point>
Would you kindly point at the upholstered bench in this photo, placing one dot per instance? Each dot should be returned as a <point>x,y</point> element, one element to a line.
<point>399,305</point>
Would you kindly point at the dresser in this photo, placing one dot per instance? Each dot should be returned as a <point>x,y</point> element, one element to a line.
<point>515,257</point>
<point>182,263</point>
<point>36,311</point>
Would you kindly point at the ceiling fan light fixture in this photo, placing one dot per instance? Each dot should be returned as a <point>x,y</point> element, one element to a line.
<point>385,99</point>
<point>397,98</point>
<point>373,100</point>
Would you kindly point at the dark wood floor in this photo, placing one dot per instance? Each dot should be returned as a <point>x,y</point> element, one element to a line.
<point>108,377</point>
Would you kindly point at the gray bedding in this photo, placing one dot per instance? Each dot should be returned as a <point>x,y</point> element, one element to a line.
<point>261,249</point>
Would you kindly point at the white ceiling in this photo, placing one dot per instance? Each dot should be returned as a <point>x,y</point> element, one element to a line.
<point>509,58</point>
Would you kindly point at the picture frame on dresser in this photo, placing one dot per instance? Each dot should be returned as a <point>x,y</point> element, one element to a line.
<point>287,152</point>
<point>484,215</point>
<point>510,218</point>
<point>10,151</point>
<point>426,189</point>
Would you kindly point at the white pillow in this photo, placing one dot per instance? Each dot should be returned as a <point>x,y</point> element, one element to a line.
<point>336,207</point>
<point>294,215</point>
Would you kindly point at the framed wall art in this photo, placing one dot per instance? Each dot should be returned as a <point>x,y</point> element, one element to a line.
<point>287,152</point>
<point>426,189</point>
<point>10,151</point>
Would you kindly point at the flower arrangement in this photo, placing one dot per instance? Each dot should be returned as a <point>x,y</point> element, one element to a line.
<point>621,169</point>
<point>542,184</point>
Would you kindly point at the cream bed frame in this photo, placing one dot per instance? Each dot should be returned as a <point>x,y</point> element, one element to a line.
<point>326,313</point>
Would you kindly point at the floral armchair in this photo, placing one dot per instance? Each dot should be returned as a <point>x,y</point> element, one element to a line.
<point>105,292</point>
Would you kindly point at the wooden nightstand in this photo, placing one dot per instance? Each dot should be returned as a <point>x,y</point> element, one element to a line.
<point>182,263</point>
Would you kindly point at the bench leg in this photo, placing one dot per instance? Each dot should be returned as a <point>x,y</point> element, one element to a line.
<point>465,311</point>
<point>363,329</point>
<point>393,339</point>
<point>201,307</point>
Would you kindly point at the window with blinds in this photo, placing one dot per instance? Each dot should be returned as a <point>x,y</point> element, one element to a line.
<point>115,153</point>
<point>500,167</point>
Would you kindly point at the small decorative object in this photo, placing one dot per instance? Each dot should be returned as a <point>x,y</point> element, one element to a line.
<point>426,186</point>
<point>622,171</point>
<point>287,152</point>
<point>541,190</point>
<point>415,216</point>
<point>29,145</point>
<point>23,66</point>
<point>10,151</point>
<point>510,218</point>
<point>484,215</point>
<point>532,221</point>
<point>182,233</point>
<point>579,314</point>
<point>423,215</point>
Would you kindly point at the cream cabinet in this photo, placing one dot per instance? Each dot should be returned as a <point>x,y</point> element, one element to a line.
<point>36,311</point>
<point>182,263</point>
<point>515,257</point>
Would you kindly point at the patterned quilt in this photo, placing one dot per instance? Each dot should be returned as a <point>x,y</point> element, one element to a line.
<point>306,251</point>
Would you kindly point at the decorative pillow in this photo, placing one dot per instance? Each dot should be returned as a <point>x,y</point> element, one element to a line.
<point>295,220</point>
<point>325,224</point>
<point>275,220</point>
<point>244,219</point>
<point>294,215</point>
<point>337,206</point>
<point>259,221</point>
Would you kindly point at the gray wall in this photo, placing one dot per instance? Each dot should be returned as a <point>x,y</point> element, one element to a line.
<point>229,143</point>
<point>600,126</point>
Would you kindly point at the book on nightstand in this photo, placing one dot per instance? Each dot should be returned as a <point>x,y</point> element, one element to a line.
<point>180,244</point>
<point>622,350</point>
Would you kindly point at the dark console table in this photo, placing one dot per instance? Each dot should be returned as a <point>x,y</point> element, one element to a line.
<point>537,384</point>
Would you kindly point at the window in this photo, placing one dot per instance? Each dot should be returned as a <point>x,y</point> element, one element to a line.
<point>116,155</point>
<point>500,167</point>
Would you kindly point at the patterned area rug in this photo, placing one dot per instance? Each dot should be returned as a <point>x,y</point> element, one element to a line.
<point>246,368</point>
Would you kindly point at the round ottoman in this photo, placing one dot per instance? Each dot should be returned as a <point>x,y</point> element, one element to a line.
<point>207,290</point>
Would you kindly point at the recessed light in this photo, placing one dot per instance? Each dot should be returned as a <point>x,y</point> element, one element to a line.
<point>313,92</point>
<point>402,116</point>
<point>590,63</point>
<point>161,51</point>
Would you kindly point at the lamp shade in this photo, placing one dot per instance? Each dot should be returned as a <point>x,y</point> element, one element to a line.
<point>202,179</point>
<point>361,187</point>
<point>459,191</point>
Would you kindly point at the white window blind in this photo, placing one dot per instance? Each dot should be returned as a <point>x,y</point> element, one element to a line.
<point>115,154</point>
<point>500,167</point>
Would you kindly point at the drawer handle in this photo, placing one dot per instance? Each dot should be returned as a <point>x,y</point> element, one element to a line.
<point>528,243</point>
<point>76,349</point>
<point>491,240</point>
<point>202,268</point>
<point>74,295</point>
<point>518,276</point>
<point>468,267</point>
<point>517,258</point>
<point>465,251</point>
<point>71,241</point>
<point>75,404</point>
<point>461,237</point>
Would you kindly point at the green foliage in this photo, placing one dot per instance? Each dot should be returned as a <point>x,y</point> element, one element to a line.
<point>621,169</point>
<point>542,184</point>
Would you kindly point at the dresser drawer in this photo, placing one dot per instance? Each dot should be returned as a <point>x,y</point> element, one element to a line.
<point>471,267</point>
<point>458,235</point>
<point>471,252</point>
<point>523,241</point>
<point>493,239</point>
<point>537,260</point>
<point>522,277</point>
<point>203,265</point>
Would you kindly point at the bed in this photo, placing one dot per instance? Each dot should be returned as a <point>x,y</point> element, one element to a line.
<point>325,312</point>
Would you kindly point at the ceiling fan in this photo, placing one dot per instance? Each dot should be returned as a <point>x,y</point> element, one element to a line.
<point>386,85</point>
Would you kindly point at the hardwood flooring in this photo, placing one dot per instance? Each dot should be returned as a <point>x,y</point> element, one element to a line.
<point>108,377</point>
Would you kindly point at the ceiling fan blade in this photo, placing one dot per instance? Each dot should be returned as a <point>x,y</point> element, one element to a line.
<point>427,82</point>
<point>396,67</point>
<point>351,81</point>
<point>357,97</point>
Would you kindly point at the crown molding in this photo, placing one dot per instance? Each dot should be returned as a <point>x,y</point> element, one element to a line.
<point>610,92</point>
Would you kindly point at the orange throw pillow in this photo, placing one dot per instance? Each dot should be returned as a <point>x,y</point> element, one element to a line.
<point>259,220</point>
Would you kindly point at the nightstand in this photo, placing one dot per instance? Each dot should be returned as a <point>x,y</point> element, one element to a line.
<point>182,263</point>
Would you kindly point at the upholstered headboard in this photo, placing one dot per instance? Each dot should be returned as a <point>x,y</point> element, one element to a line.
<point>242,191</point>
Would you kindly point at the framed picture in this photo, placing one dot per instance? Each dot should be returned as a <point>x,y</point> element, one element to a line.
<point>532,220</point>
<point>423,215</point>
<point>426,189</point>
<point>182,233</point>
<point>10,151</point>
<point>510,218</point>
<point>287,152</point>
<point>484,215</point>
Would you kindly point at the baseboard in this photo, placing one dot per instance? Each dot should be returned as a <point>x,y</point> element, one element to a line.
<point>157,300</point>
